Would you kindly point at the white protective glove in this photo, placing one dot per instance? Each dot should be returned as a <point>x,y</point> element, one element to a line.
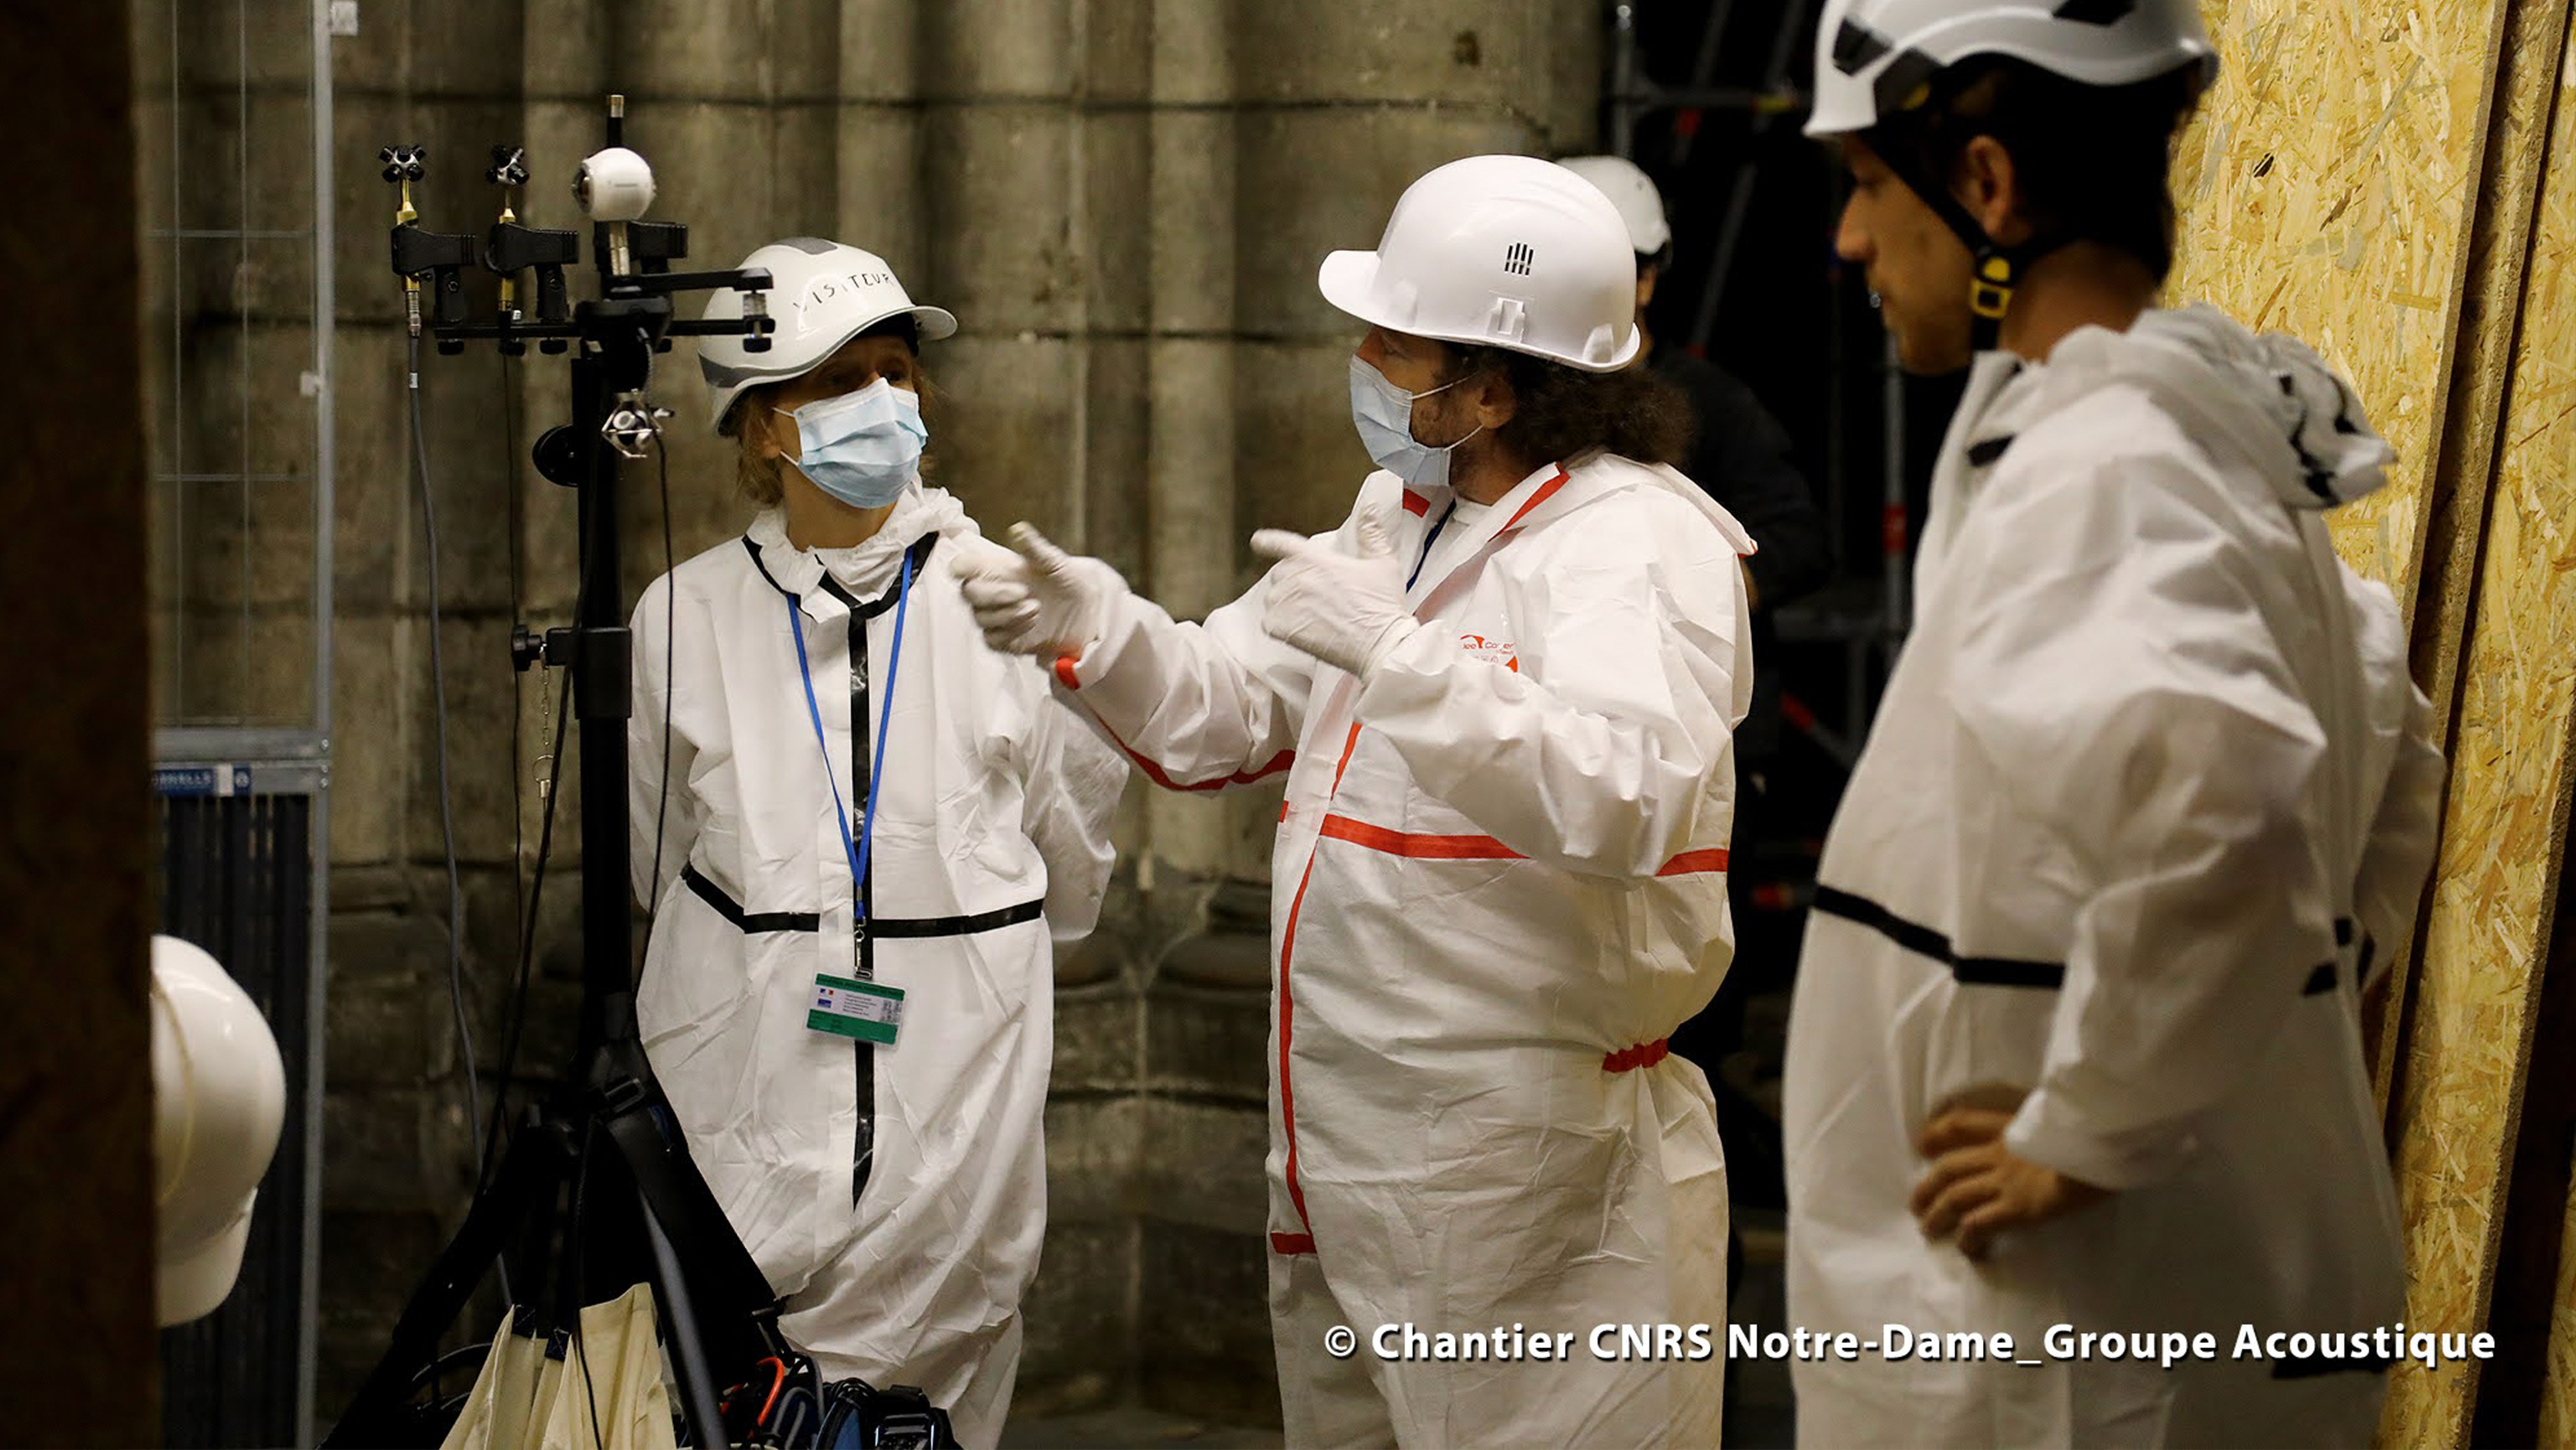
<point>1040,601</point>
<point>1346,610</point>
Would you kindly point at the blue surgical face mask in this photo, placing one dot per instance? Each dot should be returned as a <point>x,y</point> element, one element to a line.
<point>1383,413</point>
<point>863,448</point>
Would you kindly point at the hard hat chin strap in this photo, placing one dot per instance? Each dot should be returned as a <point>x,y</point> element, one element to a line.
<point>1995,270</point>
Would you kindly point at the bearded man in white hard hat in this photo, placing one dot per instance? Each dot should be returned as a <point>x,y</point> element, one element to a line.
<point>2076,1045</point>
<point>1503,692</point>
<point>862,835</point>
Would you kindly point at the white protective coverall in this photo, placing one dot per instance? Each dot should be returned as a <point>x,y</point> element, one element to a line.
<point>991,837</point>
<point>2147,784</point>
<point>1498,884</point>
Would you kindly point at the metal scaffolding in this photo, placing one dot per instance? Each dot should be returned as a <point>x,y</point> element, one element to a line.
<point>1867,626</point>
<point>244,782</point>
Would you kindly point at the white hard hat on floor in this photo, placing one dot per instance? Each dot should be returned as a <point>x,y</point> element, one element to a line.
<point>822,294</point>
<point>218,1100</point>
<point>1500,251</point>
<point>1633,192</point>
<point>1874,57</point>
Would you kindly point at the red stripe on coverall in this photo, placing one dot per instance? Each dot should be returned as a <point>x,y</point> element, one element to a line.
<point>1644,1054</point>
<point>1545,492</point>
<point>1486,848</point>
<point>1420,848</point>
<point>1464,574</point>
<point>1279,1242</point>
<point>1304,1243</point>
<point>1483,848</point>
<point>1712,858</point>
<point>1156,773</point>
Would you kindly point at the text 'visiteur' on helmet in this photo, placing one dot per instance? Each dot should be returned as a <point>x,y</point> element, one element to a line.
<point>1500,251</point>
<point>1875,58</point>
<point>821,295</point>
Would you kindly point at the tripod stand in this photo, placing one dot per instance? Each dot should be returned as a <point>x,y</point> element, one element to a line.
<point>607,1127</point>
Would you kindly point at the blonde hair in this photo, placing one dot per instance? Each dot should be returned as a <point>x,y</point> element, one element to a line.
<point>755,470</point>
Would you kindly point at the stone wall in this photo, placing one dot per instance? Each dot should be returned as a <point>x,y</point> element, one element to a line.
<point>1124,201</point>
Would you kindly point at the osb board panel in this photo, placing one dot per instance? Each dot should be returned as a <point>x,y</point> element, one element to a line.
<point>2464,465</point>
<point>2504,834</point>
<point>2326,192</point>
<point>2500,241</point>
<point>2558,1390</point>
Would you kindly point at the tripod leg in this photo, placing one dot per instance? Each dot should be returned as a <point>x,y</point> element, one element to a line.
<point>530,1172</point>
<point>680,1321</point>
<point>728,1279</point>
<point>719,1285</point>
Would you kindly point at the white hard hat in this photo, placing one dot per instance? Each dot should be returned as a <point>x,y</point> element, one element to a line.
<point>1874,58</point>
<point>822,295</point>
<point>1633,193</point>
<point>218,1100</point>
<point>1500,251</point>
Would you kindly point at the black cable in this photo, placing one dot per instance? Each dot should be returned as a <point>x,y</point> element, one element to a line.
<point>670,632</point>
<point>440,1366</point>
<point>580,1283</point>
<point>494,1125</point>
<point>518,677</point>
<point>528,928</point>
<point>537,883</point>
<point>446,806</point>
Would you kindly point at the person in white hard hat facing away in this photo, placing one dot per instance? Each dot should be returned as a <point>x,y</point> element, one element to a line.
<point>2076,1039</point>
<point>862,834</point>
<point>1741,455</point>
<point>1503,693</point>
<point>1739,452</point>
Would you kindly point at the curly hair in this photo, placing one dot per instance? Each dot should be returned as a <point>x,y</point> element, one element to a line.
<point>1561,411</point>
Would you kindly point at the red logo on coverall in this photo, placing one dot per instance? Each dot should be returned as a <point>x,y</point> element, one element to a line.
<point>1497,651</point>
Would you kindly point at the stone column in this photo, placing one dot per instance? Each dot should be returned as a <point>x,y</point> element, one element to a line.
<point>1029,222</point>
<point>1190,476</point>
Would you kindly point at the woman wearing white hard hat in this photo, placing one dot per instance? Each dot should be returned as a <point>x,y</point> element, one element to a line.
<point>1503,692</point>
<point>863,834</point>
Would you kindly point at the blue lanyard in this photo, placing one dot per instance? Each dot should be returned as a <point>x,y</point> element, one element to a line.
<point>1428,540</point>
<point>858,849</point>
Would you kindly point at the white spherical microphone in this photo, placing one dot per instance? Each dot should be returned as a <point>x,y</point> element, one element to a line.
<point>614,185</point>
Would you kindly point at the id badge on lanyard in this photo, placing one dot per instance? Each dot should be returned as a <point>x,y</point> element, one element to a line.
<point>848,1006</point>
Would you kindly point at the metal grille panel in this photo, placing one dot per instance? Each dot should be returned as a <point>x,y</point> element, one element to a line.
<point>237,879</point>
